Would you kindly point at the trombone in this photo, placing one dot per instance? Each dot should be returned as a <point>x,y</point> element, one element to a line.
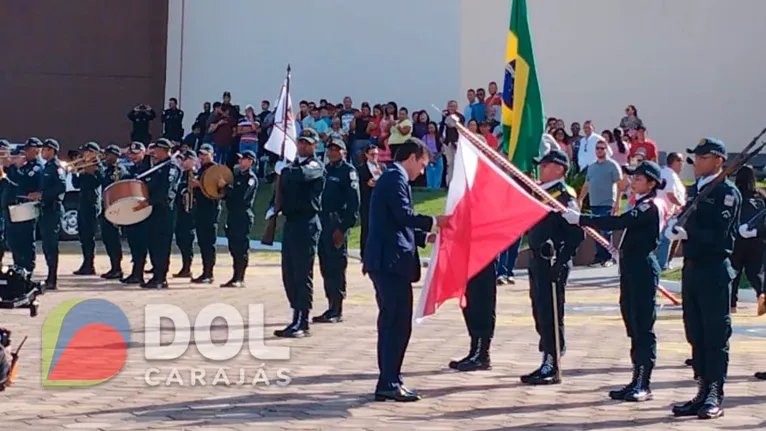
<point>81,163</point>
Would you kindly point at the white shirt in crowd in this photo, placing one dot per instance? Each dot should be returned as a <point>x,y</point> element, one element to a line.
<point>586,154</point>
<point>673,184</point>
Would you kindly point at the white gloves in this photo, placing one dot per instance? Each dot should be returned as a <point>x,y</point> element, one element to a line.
<point>571,216</point>
<point>270,213</point>
<point>744,232</point>
<point>676,234</point>
<point>279,166</point>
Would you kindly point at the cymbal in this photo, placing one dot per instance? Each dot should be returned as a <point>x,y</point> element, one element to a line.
<point>210,178</point>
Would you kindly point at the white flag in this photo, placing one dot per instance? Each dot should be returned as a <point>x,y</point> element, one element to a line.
<point>282,139</point>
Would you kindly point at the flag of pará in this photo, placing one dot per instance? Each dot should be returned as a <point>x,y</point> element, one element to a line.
<point>282,139</point>
<point>489,211</point>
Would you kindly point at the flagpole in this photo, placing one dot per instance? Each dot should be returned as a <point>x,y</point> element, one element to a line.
<point>517,174</point>
<point>287,111</point>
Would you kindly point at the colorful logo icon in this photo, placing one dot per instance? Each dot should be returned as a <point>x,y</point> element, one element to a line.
<point>84,342</point>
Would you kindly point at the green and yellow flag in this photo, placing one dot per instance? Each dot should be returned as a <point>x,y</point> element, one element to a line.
<point>522,113</point>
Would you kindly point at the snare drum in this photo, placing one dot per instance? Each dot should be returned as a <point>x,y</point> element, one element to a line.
<point>24,212</point>
<point>121,197</point>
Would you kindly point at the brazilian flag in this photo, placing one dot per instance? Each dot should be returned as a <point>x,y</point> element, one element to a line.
<point>522,112</point>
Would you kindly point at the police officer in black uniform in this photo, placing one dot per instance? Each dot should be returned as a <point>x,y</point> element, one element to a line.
<point>184,210</point>
<point>162,184</point>
<point>707,243</point>
<point>88,180</point>
<point>141,116</point>
<point>138,240</point>
<point>110,233</point>
<point>5,146</point>
<point>480,317</point>
<point>27,177</point>
<point>172,121</point>
<point>206,214</point>
<point>553,242</point>
<point>748,255</point>
<point>239,198</point>
<point>302,184</point>
<point>639,273</point>
<point>340,210</point>
<point>52,209</point>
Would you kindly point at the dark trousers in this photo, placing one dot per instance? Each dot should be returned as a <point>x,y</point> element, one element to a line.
<point>206,226</point>
<point>87,218</point>
<point>705,287</point>
<point>393,294</point>
<point>160,240</point>
<point>481,300</point>
<point>333,262</point>
<point>184,230</point>
<point>299,247</point>
<point>747,259</point>
<point>23,244</point>
<point>364,216</point>
<point>4,222</point>
<point>110,235</point>
<point>541,284</point>
<point>138,242</point>
<point>50,227</point>
<point>238,234</point>
<point>639,278</point>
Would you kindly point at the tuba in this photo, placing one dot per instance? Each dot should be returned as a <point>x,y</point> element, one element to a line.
<point>189,195</point>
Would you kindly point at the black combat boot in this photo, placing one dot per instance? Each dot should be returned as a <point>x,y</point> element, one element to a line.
<point>547,374</point>
<point>620,394</point>
<point>185,271</point>
<point>334,313</point>
<point>712,407</point>
<point>693,406</point>
<point>236,277</point>
<point>205,278</point>
<point>474,342</point>
<point>761,375</point>
<point>689,362</point>
<point>479,359</point>
<point>299,328</point>
<point>641,391</point>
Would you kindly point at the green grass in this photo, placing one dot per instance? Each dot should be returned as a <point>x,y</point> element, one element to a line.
<point>671,274</point>
<point>430,202</point>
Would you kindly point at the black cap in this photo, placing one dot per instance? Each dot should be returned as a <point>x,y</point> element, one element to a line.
<point>52,143</point>
<point>337,143</point>
<point>709,146</point>
<point>112,149</point>
<point>4,143</point>
<point>188,154</point>
<point>16,151</point>
<point>553,156</point>
<point>163,143</point>
<point>136,147</point>
<point>206,149</point>
<point>92,146</point>
<point>34,143</point>
<point>248,154</point>
<point>647,168</point>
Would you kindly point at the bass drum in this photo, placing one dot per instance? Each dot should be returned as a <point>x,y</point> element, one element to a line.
<point>121,197</point>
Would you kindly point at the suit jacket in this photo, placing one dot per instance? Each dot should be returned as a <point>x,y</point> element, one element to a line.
<point>395,229</point>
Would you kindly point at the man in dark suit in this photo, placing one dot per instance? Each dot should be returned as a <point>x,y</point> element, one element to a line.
<point>369,172</point>
<point>392,261</point>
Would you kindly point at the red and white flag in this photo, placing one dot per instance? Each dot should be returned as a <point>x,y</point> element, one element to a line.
<point>282,139</point>
<point>489,212</point>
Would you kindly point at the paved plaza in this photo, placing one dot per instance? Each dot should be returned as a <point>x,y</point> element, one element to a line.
<point>332,374</point>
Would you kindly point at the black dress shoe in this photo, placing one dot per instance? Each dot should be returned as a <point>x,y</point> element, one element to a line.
<point>693,406</point>
<point>292,331</point>
<point>132,279</point>
<point>328,316</point>
<point>148,284</point>
<point>233,283</point>
<point>203,279</point>
<point>113,274</point>
<point>49,285</point>
<point>183,273</point>
<point>85,271</point>
<point>760,375</point>
<point>156,284</point>
<point>689,362</point>
<point>399,394</point>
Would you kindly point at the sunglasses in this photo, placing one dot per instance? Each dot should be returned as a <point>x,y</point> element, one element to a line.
<point>600,148</point>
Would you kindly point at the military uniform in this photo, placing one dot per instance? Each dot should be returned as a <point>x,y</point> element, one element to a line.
<point>553,242</point>
<point>51,211</point>
<point>141,119</point>
<point>88,211</point>
<point>28,180</point>
<point>4,220</point>
<point>708,240</point>
<point>162,185</point>
<point>206,214</point>
<point>184,228</point>
<point>639,277</point>
<point>138,240</point>
<point>302,184</point>
<point>239,218</point>
<point>340,210</point>
<point>748,255</point>
<point>172,120</point>
<point>110,233</point>
<point>480,316</point>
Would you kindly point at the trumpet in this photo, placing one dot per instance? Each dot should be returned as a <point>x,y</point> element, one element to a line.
<point>81,163</point>
<point>189,195</point>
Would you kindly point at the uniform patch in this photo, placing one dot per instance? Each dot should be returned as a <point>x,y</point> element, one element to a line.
<point>352,176</point>
<point>634,213</point>
<point>729,200</point>
<point>644,206</point>
<point>31,173</point>
<point>726,214</point>
<point>36,168</point>
<point>251,182</point>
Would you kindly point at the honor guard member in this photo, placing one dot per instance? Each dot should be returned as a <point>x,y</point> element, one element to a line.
<point>340,210</point>
<point>748,255</point>
<point>206,214</point>
<point>480,317</point>
<point>138,241</point>
<point>110,233</point>
<point>162,185</point>
<point>239,198</point>
<point>553,242</point>
<point>707,241</point>
<point>88,180</point>
<point>302,184</point>
<point>185,214</point>
<point>639,272</point>
<point>5,147</point>
<point>27,175</point>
